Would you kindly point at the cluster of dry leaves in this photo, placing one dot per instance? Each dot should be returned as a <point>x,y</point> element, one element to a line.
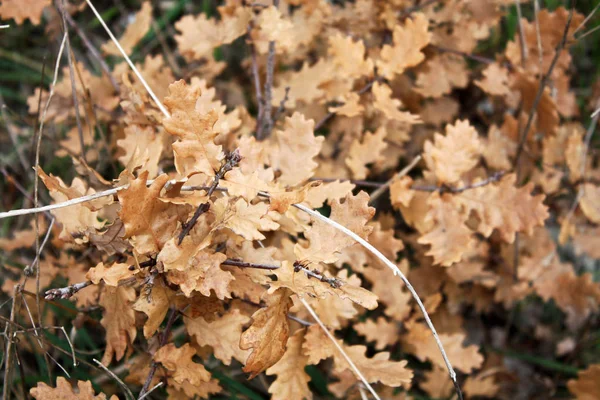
<point>476,226</point>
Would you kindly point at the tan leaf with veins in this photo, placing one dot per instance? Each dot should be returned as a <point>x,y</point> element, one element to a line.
<point>325,241</point>
<point>408,41</point>
<point>134,32</point>
<point>272,26</point>
<point>495,80</point>
<point>246,220</point>
<point>349,56</point>
<point>378,368</point>
<point>505,207</point>
<point>118,319</point>
<point>20,10</point>
<point>382,332</point>
<point>111,275</point>
<point>294,149</point>
<point>483,384</point>
<point>64,391</point>
<point>202,273</point>
<point>179,361</point>
<point>280,200</point>
<point>223,335</point>
<point>149,222</point>
<point>143,148</point>
<point>330,191</point>
<point>195,151</point>
<point>350,107</point>
<point>437,383</point>
<point>449,237</point>
<point>247,185</point>
<point>419,342</point>
<point>453,154</point>
<point>389,106</point>
<point>590,202</point>
<point>212,31</point>
<point>587,385</point>
<point>441,74</point>
<point>268,334</point>
<point>291,382</point>
<point>155,306</point>
<point>390,292</point>
<point>367,151</point>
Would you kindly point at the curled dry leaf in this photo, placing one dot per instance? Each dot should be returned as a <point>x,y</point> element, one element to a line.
<point>179,362</point>
<point>64,391</point>
<point>268,334</point>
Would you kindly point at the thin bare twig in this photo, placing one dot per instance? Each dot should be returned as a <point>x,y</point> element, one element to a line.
<point>93,51</point>
<point>448,189</point>
<point>345,355</point>
<point>243,264</point>
<point>126,389</point>
<point>60,5</point>
<point>128,60</point>
<point>474,57</point>
<point>67,291</point>
<point>9,343</point>
<point>163,341</point>
<point>316,274</point>
<point>589,32</point>
<point>590,15</point>
<point>378,192</point>
<point>544,81</point>
<point>522,42</point>
<point>13,136</point>
<point>231,160</point>
<point>538,36</point>
<point>281,107</point>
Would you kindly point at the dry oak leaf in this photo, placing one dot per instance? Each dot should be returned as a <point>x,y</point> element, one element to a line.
<point>547,118</point>
<point>325,241</point>
<point>77,219</point>
<point>400,192</point>
<point>149,222</point>
<point>293,150</point>
<point>350,106</point>
<point>155,305</point>
<point>201,273</point>
<point>420,342</point>
<point>317,346</point>
<point>200,35</point>
<point>179,361</point>
<point>119,321</point>
<point>578,296</point>
<point>504,207</point>
<point>24,237</point>
<point>408,41</point>
<point>448,237</point>
<point>244,219</point>
<point>378,368</point>
<point>441,74</point>
<point>305,85</point>
<point>302,284</point>
<point>495,80</point>
<point>111,240</point>
<point>292,381</point>
<point>64,391</point>
<point>590,202</point>
<point>281,200</point>
<point>389,106</point>
<point>195,151</point>
<point>382,332</point>
<point>587,384</point>
<point>248,185</point>
<point>186,391</point>
<point>498,148</point>
<point>574,156</point>
<point>222,334</point>
<point>437,384</point>
<point>390,292</point>
<point>143,148</point>
<point>349,56</point>
<point>367,151</point>
<point>272,27</point>
<point>331,191</point>
<point>134,32</point>
<point>481,385</point>
<point>453,154</point>
<point>268,334</point>
<point>20,10</point>
<point>111,275</point>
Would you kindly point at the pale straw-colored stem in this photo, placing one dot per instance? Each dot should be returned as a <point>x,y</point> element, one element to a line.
<point>312,312</point>
<point>124,54</point>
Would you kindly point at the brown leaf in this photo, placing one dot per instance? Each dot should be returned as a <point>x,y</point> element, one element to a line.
<point>134,32</point>
<point>155,306</point>
<point>268,334</point>
<point>367,151</point>
<point>587,385</point>
<point>382,332</point>
<point>119,321</point>
<point>20,10</point>
<point>223,335</point>
<point>291,382</point>
<point>179,361</point>
<point>64,391</point>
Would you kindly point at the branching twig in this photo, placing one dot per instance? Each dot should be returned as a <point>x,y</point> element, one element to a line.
<point>231,160</point>
<point>281,107</point>
<point>163,342</point>
<point>67,291</point>
<point>448,189</point>
<point>543,83</point>
<point>316,274</point>
<point>378,192</point>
